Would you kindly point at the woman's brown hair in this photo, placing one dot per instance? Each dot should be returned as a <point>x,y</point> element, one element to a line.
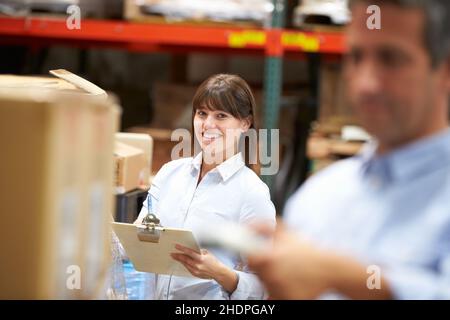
<point>231,94</point>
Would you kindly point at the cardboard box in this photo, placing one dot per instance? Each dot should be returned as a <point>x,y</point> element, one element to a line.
<point>323,147</point>
<point>163,145</point>
<point>130,167</point>
<point>143,142</point>
<point>56,190</point>
<point>333,101</point>
<point>63,81</point>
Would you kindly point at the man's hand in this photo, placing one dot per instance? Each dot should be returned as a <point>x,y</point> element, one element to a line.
<point>295,269</point>
<point>292,269</point>
<point>205,265</point>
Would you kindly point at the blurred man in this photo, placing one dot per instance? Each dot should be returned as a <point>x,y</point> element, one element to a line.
<point>378,225</point>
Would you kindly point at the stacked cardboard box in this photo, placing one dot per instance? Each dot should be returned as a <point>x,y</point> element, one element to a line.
<point>330,142</point>
<point>163,145</point>
<point>326,142</point>
<point>334,108</point>
<point>133,154</point>
<point>130,162</point>
<point>56,191</point>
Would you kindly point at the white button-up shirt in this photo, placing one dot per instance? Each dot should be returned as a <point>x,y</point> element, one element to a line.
<point>230,192</point>
<point>390,211</point>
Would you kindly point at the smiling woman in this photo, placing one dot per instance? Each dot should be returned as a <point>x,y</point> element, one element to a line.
<point>210,189</point>
<point>223,110</point>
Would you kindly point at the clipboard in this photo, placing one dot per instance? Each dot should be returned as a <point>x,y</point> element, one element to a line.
<point>149,249</point>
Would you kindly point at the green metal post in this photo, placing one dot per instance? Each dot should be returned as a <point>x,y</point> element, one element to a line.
<point>273,83</point>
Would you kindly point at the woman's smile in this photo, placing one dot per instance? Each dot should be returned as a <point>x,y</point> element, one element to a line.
<point>210,136</point>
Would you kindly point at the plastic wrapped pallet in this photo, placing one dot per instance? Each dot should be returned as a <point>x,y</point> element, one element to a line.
<point>255,11</point>
<point>105,9</point>
<point>321,12</point>
<point>117,287</point>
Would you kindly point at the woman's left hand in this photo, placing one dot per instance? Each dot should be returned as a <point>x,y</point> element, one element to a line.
<point>200,264</point>
<point>205,265</point>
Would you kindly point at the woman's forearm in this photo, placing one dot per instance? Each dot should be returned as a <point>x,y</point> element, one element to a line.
<point>227,278</point>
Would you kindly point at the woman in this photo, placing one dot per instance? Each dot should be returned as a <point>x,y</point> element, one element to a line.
<point>214,187</point>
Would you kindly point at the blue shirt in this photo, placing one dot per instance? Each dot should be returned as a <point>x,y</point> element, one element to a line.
<point>392,211</point>
<point>229,193</point>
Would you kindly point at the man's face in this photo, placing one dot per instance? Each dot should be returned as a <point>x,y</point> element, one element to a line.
<point>391,83</point>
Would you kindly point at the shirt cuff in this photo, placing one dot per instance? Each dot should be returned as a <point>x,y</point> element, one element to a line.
<point>249,287</point>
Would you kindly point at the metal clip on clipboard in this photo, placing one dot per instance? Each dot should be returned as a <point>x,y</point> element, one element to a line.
<point>150,229</point>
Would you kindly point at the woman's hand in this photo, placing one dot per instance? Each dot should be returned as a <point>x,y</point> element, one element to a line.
<point>205,265</point>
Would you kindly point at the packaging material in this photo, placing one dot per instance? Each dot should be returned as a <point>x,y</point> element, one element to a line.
<point>255,11</point>
<point>322,11</point>
<point>117,289</point>
<point>64,81</point>
<point>130,167</point>
<point>56,191</point>
<point>24,7</point>
<point>106,9</point>
<point>333,104</point>
<point>143,142</point>
<point>326,145</point>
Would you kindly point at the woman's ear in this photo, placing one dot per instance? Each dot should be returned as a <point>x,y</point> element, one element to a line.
<point>245,124</point>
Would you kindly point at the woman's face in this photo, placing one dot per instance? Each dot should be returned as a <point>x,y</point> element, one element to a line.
<point>218,133</point>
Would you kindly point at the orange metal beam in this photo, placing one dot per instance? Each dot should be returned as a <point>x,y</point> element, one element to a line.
<point>155,35</point>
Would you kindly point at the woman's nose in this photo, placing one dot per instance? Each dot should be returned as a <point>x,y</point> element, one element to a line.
<point>209,123</point>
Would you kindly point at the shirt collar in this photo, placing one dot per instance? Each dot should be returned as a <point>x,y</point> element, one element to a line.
<point>226,169</point>
<point>410,160</point>
<point>197,161</point>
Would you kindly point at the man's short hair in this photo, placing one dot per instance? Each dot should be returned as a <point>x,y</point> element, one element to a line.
<point>437,24</point>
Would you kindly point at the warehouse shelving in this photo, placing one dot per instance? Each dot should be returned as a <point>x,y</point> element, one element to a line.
<point>273,43</point>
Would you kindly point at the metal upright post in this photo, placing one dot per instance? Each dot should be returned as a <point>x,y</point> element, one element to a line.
<point>273,76</point>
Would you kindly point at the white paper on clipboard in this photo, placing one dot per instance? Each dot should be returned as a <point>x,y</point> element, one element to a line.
<point>155,257</point>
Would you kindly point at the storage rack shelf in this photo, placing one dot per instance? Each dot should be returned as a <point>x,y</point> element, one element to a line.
<point>274,43</point>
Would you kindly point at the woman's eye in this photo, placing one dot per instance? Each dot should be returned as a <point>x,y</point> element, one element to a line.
<point>221,116</point>
<point>201,113</point>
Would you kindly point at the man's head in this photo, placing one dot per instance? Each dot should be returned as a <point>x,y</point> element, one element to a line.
<point>399,76</point>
